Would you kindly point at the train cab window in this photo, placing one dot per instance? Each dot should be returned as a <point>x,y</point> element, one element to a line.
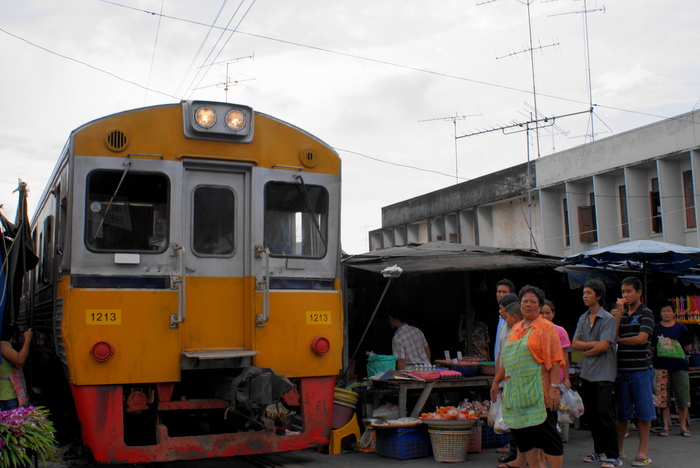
<point>296,220</point>
<point>213,221</point>
<point>126,211</point>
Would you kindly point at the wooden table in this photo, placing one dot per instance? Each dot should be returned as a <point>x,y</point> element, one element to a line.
<point>402,387</point>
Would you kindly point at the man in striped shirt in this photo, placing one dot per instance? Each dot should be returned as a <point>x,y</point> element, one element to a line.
<point>634,385</point>
<point>409,344</point>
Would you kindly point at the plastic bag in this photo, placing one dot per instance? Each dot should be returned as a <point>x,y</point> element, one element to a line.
<point>571,402</point>
<point>495,417</point>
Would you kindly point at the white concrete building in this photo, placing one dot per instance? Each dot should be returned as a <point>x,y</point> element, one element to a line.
<point>643,183</point>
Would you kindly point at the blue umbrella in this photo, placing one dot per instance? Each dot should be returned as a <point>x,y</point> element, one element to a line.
<point>643,255</point>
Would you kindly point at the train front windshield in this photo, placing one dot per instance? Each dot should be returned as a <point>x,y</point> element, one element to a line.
<point>296,220</point>
<point>126,212</point>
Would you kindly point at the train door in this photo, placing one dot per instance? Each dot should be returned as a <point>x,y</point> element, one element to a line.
<point>215,241</point>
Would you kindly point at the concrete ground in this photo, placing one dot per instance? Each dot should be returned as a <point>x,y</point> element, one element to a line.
<point>673,451</point>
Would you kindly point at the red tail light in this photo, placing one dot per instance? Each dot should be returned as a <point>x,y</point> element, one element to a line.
<point>320,345</point>
<point>101,351</point>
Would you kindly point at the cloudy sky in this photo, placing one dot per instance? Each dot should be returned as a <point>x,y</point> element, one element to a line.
<point>378,80</point>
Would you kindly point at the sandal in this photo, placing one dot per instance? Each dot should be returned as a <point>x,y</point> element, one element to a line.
<point>592,458</point>
<point>507,458</point>
<point>641,461</point>
<point>507,465</point>
<point>686,433</point>
<point>663,432</point>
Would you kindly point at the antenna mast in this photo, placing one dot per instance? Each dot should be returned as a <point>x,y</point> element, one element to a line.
<point>227,81</point>
<point>454,119</point>
<point>517,127</point>
<point>587,55</point>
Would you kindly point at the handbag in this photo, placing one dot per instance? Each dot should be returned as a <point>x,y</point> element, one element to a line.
<point>19,385</point>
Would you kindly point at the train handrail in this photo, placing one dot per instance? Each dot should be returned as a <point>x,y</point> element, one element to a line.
<point>262,319</point>
<point>176,320</point>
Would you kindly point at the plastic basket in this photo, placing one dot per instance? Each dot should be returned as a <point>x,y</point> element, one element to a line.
<point>475,439</point>
<point>449,446</point>
<point>380,363</point>
<point>342,414</point>
<point>403,442</point>
<point>490,439</point>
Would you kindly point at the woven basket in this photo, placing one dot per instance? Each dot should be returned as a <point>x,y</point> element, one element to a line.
<point>342,414</point>
<point>449,446</point>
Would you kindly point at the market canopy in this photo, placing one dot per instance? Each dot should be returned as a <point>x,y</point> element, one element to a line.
<point>643,255</point>
<point>441,256</point>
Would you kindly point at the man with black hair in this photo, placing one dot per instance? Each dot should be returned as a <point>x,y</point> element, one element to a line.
<point>409,344</point>
<point>634,385</point>
<point>595,336</point>
<point>503,287</point>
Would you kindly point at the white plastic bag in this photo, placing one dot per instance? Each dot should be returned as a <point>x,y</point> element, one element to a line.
<point>571,402</point>
<point>495,417</point>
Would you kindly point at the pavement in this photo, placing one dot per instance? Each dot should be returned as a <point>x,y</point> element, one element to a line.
<point>673,451</point>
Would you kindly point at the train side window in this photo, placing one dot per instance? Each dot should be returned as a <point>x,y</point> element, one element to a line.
<point>126,211</point>
<point>296,220</point>
<point>213,221</point>
<point>46,253</point>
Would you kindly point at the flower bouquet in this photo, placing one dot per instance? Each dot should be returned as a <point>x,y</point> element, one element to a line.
<point>25,432</point>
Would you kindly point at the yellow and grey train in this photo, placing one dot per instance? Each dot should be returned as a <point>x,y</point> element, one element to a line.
<point>188,287</point>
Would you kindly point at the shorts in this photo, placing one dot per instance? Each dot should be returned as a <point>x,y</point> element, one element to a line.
<point>7,405</point>
<point>677,380</point>
<point>544,436</point>
<point>634,395</point>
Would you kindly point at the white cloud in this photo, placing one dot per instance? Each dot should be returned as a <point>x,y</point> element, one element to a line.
<point>643,61</point>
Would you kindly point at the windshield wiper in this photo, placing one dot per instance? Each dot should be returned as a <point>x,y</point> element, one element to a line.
<point>104,215</point>
<point>307,202</point>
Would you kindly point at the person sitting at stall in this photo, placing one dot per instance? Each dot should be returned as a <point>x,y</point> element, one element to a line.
<point>409,345</point>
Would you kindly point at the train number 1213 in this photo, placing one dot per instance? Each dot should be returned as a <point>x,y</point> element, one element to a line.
<point>103,317</point>
<point>316,317</point>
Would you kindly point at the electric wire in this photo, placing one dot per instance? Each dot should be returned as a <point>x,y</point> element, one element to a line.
<point>205,68</point>
<point>153,55</point>
<point>199,49</point>
<point>113,75</point>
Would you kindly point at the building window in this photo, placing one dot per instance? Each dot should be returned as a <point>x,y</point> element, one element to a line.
<point>689,198</point>
<point>655,204</point>
<point>624,216</point>
<point>567,238</point>
<point>587,228</point>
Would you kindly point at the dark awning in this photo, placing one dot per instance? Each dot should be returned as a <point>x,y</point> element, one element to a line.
<point>440,256</point>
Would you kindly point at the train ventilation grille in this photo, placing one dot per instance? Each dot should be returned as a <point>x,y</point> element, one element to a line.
<point>116,140</point>
<point>308,157</point>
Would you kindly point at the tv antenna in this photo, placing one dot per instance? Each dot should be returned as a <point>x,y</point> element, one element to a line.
<point>453,119</point>
<point>518,127</point>
<point>587,53</point>
<point>228,81</point>
<point>531,49</point>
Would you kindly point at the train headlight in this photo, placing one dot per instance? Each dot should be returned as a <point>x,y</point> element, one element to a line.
<point>235,120</point>
<point>320,346</point>
<point>101,351</point>
<point>205,117</point>
<point>218,121</point>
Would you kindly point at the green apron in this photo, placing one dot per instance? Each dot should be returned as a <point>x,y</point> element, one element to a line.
<point>523,397</point>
